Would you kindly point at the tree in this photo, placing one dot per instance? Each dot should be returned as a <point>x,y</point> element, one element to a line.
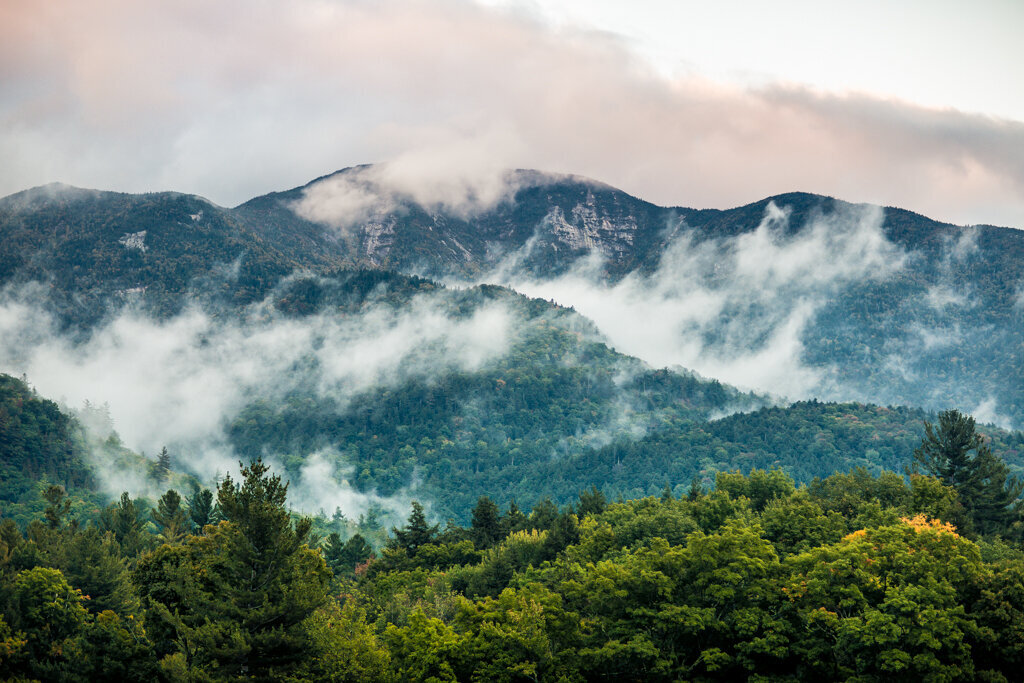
<point>235,600</point>
<point>200,507</point>
<point>267,578</point>
<point>416,531</point>
<point>356,551</point>
<point>162,468</point>
<point>126,521</point>
<point>50,614</point>
<point>591,502</point>
<point>514,519</point>
<point>59,506</point>
<point>958,456</point>
<point>486,526</point>
<point>170,517</point>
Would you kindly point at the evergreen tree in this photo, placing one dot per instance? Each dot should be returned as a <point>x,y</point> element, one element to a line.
<point>696,490</point>
<point>162,468</point>
<point>592,502</point>
<point>125,520</point>
<point>170,517</point>
<point>266,579</point>
<point>200,507</point>
<point>514,520</point>
<point>415,533</point>
<point>486,529</point>
<point>334,553</point>
<point>356,552</point>
<point>58,507</point>
<point>958,456</point>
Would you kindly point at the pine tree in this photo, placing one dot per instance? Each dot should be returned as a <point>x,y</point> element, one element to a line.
<point>59,506</point>
<point>333,550</point>
<point>486,528</point>
<point>959,457</point>
<point>592,502</point>
<point>514,520</point>
<point>125,520</point>
<point>267,579</point>
<point>415,533</point>
<point>200,507</point>
<point>162,468</point>
<point>355,552</point>
<point>170,517</point>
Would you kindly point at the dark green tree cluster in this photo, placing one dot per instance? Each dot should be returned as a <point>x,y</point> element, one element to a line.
<point>856,576</point>
<point>184,591</point>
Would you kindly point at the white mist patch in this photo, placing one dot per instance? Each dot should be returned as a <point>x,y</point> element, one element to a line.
<point>457,177</point>
<point>734,309</point>
<point>986,412</point>
<point>322,486</point>
<point>180,382</point>
<point>943,296</point>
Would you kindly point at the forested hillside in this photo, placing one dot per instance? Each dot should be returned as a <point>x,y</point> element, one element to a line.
<point>854,576</point>
<point>919,312</point>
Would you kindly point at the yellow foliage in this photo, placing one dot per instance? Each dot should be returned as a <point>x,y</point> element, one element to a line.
<point>921,523</point>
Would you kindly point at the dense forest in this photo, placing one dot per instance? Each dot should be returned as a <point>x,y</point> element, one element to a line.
<point>576,514</point>
<point>937,325</point>
<point>854,576</point>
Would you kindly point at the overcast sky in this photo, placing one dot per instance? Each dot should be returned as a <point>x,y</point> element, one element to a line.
<point>912,103</point>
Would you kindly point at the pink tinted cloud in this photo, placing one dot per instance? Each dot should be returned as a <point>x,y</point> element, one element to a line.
<point>230,99</point>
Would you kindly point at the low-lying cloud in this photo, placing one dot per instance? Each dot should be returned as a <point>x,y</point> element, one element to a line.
<point>459,178</point>
<point>178,382</point>
<point>734,309</point>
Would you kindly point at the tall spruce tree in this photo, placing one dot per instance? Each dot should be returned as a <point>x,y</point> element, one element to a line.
<point>958,456</point>
<point>268,579</point>
<point>415,533</point>
<point>162,468</point>
<point>200,507</point>
<point>170,517</point>
<point>486,529</point>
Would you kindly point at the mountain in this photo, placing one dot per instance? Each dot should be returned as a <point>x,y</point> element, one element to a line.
<point>866,304</point>
<point>285,328</point>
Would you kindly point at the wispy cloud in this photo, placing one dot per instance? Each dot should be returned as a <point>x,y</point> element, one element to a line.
<point>181,381</point>
<point>736,308</point>
<point>232,99</point>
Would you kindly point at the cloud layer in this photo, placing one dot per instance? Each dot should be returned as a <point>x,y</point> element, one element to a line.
<point>179,382</point>
<point>734,309</point>
<point>233,99</point>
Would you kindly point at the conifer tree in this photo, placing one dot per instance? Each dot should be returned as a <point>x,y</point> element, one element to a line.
<point>200,507</point>
<point>592,502</point>
<point>59,506</point>
<point>267,579</point>
<point>486,528</point>
<point>415,533</point>
<point>514,519</point>
<point>959,457</point>
<point>125,520</point>
<point>356,551</point>
<point>162,468</point>
<point>170,517</point>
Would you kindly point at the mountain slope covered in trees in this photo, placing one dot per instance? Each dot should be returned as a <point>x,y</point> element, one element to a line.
<point>931,319</point>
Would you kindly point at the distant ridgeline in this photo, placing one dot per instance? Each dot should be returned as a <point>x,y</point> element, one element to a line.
<point>941,329</point>
<point>558,409</point>
<point>458,436</point>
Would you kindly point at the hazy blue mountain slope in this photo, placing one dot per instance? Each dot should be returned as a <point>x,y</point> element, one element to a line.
<point>900,308</point>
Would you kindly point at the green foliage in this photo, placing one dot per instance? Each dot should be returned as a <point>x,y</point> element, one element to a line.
<point>851,578</point>
<point>486,528</point>
<point>170,517</point>
<point>416,532</point>
<point>200,507</point>
<point>126,520</point>
<point>960,458</point>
